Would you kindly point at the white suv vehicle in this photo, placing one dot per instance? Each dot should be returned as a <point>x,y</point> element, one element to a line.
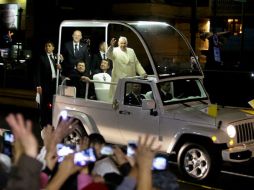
<point>200,141</point>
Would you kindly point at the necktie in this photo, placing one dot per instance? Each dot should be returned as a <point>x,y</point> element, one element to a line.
<point>75,49</point>
<point>103,56</point>
<point>52,58</point>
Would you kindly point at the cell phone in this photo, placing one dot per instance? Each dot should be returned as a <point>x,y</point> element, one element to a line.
<point>107,150</point>
<point>84,157</point>
<point>131,148</point>
<point>8,139</point>
<point>160,163</point>
<point>63,150</point>
<point>63,115</point>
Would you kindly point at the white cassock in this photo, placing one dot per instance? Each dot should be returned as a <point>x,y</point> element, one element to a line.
<point>102,89</point>
<point>125,64</point>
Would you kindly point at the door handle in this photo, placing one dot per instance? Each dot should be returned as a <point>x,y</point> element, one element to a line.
<point>124,112</point>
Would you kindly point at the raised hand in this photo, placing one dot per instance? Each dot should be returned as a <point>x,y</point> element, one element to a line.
<point>113,42</point>
<point>22,131</point>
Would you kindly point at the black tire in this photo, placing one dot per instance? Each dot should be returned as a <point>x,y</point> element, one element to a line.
<point>197,163</point>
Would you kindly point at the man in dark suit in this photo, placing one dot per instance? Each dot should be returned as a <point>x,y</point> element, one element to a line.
<point>46,81</point>
<point>165,91</point>
<point>79,79</point>
<point>134,98</point>
<point>98,57</point>
<point>73,52</point>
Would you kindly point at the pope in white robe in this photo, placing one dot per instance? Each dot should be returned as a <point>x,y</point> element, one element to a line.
<point>125,62</point>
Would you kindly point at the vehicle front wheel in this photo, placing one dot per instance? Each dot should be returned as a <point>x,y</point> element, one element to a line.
<point>196,162</point>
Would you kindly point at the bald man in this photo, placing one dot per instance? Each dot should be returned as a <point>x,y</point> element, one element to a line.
<point>125,62</point>
<point>73,52</point>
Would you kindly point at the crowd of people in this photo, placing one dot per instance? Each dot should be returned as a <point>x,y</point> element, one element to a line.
<point>88,166</point>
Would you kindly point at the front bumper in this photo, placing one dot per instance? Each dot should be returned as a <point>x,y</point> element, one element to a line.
<point>238,154</point>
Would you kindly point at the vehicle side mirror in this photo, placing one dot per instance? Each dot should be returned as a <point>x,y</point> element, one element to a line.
<point>148,104</point>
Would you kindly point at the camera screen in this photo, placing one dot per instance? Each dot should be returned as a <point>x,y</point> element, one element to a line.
<point>63,150</point>
<point>83,158</point>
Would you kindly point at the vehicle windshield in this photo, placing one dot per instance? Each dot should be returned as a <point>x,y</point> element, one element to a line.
<point>170,52</point>
<point>185,90</point>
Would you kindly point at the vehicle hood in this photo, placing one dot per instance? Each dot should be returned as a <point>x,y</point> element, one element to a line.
<point>199,114</point>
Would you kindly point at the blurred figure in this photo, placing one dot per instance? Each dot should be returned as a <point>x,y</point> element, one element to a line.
<point>96,141</point>
<point>46,81</point>
<point>125,62</point>
<point>165,91</point>
<point>74,51</point>
<point>214,58</point>
<point>134,97</point>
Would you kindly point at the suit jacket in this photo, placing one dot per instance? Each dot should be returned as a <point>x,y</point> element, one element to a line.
<point>71,59</point>
<point>131,99</point>
<point>96,62</point>
<point>44,79</point>
<point>75,77</point>
<point>44,73</point>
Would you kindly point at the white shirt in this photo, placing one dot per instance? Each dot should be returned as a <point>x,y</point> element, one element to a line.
<point>74,46</point>
<point>52,67</point>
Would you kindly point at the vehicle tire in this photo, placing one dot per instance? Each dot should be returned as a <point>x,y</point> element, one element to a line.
<point>76,135</point>
<point>196,162</point>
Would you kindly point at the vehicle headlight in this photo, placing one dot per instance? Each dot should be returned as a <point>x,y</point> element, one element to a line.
<point>231,131</point>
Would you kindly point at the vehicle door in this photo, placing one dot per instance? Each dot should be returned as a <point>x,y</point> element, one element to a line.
<point>132,119</point>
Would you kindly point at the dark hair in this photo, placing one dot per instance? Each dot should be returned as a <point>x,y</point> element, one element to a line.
<point>50,42</point>
<point>80,61</point>
<point>96,138</point>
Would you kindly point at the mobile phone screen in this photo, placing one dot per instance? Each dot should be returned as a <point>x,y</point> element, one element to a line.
<point>83,158</point>
<point>63,150</point>
<point>160,163</point>
<point>131,148</point>
<point>107,150</point>
<point>8,137</point>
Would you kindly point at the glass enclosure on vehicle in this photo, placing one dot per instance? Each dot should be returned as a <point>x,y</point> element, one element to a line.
<point>170,51</point>
<point>184,90</point>
<point>161,49</point>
